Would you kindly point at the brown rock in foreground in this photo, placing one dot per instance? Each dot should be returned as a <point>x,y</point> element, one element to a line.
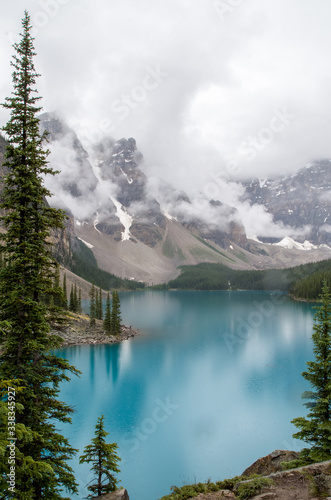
<point>270,463</point>
<point>312,482</point>
<point>116,495</point>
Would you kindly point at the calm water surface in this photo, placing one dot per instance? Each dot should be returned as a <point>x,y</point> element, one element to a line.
<point>210,386</point>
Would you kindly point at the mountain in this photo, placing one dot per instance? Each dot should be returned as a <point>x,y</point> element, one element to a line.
<point>299,200</point>
<point>142,234</point>
<point>137,234</point>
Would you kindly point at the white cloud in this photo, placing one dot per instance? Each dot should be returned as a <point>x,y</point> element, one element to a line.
<point>216,85</point>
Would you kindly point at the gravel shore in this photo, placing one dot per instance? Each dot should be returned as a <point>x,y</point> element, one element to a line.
<point>76,330</point>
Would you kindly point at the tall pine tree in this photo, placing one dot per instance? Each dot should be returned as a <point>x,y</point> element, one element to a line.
<point>315,429</point>
<point>116,314</point>
<point>107,320</point>
<point>42,470</point>
<point>65,293</point>
<point>92,305</point>
<point>104,458</point>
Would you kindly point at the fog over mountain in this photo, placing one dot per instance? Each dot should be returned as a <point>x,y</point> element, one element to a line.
<point>213,91</point>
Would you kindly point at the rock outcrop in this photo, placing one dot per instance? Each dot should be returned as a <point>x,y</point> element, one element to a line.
<point>298,200</point>
<point>271,463</point>
<point>116,495</point>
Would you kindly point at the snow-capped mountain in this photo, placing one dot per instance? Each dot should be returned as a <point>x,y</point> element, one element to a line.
<point>136,231</point>
<point>299,200</point>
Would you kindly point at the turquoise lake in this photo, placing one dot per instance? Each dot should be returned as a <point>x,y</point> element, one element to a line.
<point>210,385</point>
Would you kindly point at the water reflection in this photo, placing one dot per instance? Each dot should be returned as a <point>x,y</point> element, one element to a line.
<point>234,402</point>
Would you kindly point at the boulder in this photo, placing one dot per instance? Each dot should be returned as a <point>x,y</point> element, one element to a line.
<point>271,463</point>
<point>115,495</point>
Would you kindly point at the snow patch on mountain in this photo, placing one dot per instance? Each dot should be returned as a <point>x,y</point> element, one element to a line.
<point>125,219</point>
<point>130,181</point>
<point>168,216</point>
<point>290,244</point>
<point>86,243</point>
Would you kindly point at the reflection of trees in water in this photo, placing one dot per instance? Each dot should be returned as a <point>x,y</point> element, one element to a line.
<point>112,361</point>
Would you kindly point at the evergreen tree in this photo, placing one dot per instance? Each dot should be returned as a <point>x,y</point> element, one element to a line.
<point>316,428</point>
<point>100,314</point>
<point>104,458</point>
<point>75,299</point>
<point>71,298</point>
<point>107,321</point>
<point>65,293</point>
<point>97,304</point>
<point>80,301</point>
<point>92,306</point>
<point>26,346</point>
<point>116,314</point>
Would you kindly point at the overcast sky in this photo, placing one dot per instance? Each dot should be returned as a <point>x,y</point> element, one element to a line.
<point>207,87</point>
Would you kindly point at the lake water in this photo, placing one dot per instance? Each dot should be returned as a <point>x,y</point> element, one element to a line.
<point>210,385</point>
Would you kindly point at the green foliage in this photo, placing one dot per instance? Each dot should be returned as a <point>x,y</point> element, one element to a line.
<point>193,490</point>
<point>27,277</point>
<point>98,304</point>
<point>107,320</point>
<point>316,428</point>
<point>116,314</point>
<point>105,460</point>
<point>302,461</point>
<point>217,277</point>
<point>303,281</point>
<point>92,306</point>
<point>252,488</point>
<point>65,293</point>
<point>310,282</point>
<point>320,485</point>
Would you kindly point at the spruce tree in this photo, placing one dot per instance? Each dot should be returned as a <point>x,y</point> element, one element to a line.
<point>100,314</point>
<point>65,293</point>
<point>107,321</point>
<point>92,305</point>
<point>80,301</point>
<point>97,304</point>
<point>104,458</point>
<point>71,298</point>
<point>75,299</point>
<point>116,314</point>
<point>315,429</point>
<point>41,461</point>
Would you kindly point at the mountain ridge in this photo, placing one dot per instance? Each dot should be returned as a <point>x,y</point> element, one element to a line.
<point>136,235</point>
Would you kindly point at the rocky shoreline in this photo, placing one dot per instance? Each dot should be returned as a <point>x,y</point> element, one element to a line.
<point>75,329</point>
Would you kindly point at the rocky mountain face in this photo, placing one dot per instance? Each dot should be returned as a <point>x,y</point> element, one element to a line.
<point>126,211</point>
<point>302,199</point>
<point>137,232</point>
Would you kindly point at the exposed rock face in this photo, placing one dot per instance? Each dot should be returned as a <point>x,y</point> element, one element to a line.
<point>119,163</point>
<point>116,495</point>
<point>298,200</point>
<point>129,207</point>
<point>271,463</point>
